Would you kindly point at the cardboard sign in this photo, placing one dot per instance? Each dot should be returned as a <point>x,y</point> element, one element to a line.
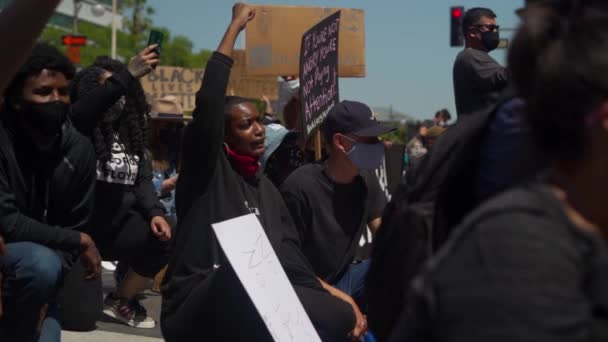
<point>245,85</point>
<point>319,72</point>
<point>273,39</point>
<point>179,82</point>
<point>184,83</point>
<point>247,248</point>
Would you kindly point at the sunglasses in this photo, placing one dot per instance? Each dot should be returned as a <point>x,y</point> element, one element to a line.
<point>490,27</point>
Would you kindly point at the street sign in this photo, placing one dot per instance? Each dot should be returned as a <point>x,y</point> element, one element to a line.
<point>72,40</point>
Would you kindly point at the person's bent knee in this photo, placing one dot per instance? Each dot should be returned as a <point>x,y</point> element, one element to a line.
<point>39,269</point>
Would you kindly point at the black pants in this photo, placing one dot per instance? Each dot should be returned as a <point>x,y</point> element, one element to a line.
<point>131,241</point>
<point>220,310</point>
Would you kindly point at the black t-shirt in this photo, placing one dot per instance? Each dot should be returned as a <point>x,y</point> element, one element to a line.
<point>331,217</point>
<point>518,269</point>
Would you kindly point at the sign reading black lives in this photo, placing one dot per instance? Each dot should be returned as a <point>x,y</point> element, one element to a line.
<point>319,72</point>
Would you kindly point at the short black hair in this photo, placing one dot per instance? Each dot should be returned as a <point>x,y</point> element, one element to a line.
<point>558,65</point>
<point>43,56</point>
<point>445,113</point>
<point>231,101</point>
<point>474,15</point>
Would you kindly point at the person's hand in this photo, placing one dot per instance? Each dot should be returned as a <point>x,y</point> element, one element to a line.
<point>361,321</point>
<point>161,228</point>
<point>242,14</point>
<point>268,105</point>
<point>144,62</point>
<point>169,185</point>
<point>90,257</point>
<point>361,326</point>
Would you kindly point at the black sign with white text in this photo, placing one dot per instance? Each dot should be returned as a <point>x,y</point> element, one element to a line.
<point>319,72</point>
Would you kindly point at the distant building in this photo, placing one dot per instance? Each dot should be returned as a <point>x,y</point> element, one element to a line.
<point>64,15</point>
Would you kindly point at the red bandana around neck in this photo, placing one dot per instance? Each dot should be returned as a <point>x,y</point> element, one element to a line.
<point>245,166</point>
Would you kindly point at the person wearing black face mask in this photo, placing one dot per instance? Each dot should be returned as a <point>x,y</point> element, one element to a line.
<point>128,222</point>
<point>477,76</point>
<point>47,179</point>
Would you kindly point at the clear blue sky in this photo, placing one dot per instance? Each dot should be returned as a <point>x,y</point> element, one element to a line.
<point>409,61</point>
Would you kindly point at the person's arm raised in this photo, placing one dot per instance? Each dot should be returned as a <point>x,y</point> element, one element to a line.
<point>20,26</point>
<point>204,136</point>
<point>88,110</point>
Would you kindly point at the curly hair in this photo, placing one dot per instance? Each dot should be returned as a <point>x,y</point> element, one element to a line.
<point>129,124</point>
<point>43,56</point>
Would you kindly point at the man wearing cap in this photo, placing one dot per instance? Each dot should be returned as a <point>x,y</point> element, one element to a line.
<point>333,202</point>
<point>477,76</point>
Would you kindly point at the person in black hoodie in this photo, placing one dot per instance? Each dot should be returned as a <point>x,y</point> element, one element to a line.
<point>47,180</point>
<point>128,223</point>
<point>530,264</point>
<point>220,180</point>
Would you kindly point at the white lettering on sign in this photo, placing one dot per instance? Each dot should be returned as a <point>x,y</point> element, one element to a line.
<point>249,251</point>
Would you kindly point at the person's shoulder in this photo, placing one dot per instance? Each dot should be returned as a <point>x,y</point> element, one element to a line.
<point>77,145</point>
<point>470,56</point>
<point>303,178</point>
<point>528,212</point>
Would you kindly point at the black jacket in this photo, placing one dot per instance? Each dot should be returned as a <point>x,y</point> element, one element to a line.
<point>113,201</point>
<point>45,198</point>
<point>478,78</point>
<point>517,269</point>
<point>202,297</point>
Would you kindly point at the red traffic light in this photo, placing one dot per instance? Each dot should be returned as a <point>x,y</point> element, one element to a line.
<point>71,40</point>
<point>457,12</point>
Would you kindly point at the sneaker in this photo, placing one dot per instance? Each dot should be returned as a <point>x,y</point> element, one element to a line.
<point>129,312</point>
<point>109,265</point>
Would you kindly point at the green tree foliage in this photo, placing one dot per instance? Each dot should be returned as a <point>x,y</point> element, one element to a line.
<point>140,21</point>
<point>399,136</point>
<point>177,50</point>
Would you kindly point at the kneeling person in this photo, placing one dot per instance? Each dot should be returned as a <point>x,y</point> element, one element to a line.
<point>333,203</point>
<point>47,178</point>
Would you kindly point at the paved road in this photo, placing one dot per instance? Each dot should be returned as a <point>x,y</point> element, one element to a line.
<point>109,330</point>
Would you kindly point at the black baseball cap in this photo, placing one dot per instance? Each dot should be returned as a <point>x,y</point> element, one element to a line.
<point>356,118</point>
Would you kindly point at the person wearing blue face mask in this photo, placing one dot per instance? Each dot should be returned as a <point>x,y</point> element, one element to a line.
<point>333,202</point>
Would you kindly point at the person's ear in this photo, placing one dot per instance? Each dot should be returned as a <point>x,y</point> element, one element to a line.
<point>339,143</point>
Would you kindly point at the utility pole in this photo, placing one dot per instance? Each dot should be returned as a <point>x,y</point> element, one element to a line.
<point>77,7</point>
<point>114,24</point>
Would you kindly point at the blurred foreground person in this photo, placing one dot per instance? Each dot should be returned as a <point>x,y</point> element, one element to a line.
<point>530,264</point>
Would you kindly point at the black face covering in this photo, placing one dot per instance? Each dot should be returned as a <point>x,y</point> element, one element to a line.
<point>490,40</point>
<point>47,118</point>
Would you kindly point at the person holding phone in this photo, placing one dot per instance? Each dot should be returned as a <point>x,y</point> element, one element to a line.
<point>129,222</point>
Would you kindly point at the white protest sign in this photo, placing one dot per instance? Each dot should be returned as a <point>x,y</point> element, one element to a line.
<point>247,248</point>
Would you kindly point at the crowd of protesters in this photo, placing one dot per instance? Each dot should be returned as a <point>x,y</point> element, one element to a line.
<point>497,232</point>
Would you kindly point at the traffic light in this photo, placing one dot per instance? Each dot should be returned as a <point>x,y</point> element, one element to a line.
<point>456,35</point>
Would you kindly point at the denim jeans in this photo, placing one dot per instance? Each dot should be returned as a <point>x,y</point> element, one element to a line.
<point>353,281</point>
<point>31,277</point>
<point>353,284</point>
